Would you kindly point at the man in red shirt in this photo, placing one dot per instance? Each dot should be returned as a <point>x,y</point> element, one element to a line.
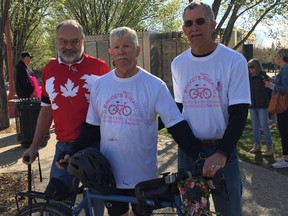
<point>66,85</point>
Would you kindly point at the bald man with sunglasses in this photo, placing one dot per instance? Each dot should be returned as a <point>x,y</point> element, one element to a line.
<point>211,88</point>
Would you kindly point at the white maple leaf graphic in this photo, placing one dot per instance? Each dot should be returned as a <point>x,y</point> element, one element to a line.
<point>51,91</point>
<point>89,80</point>
<point>69,90</point>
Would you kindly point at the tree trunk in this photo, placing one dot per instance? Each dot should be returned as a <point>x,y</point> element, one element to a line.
<point>4,115</point>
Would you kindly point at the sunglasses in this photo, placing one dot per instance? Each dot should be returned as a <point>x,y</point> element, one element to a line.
<point>252,66</point>
<point>199,21</point>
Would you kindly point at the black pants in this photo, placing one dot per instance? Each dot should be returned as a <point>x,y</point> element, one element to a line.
<point>282,120</point>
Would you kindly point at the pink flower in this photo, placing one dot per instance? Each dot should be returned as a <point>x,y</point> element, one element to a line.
<point>182,190</point>
<point>191,184</point>
<point>203,202</point>
<point>196,206</point>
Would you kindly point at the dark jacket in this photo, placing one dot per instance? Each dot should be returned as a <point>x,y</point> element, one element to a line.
<point>260,95</point>
<point>23,85</point>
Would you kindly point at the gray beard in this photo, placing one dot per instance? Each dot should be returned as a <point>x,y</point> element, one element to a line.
<point>71,58</point>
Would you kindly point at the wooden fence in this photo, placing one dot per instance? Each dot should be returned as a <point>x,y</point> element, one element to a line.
<point>158,50</point>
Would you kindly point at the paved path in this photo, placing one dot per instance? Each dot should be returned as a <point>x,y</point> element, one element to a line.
<point>265,192</point>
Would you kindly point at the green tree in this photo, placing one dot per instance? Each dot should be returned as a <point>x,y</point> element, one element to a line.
<point>28,27</point>
<point>100,16</point>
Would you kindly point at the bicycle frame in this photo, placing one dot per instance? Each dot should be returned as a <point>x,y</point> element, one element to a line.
<point>90,195</point>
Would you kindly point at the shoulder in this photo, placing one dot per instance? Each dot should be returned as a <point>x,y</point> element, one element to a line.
<point>52,63</point>
<point>94,59</point>
<point>101,65</point>
<point>150,76</point>
<point>230,55</point>
<point>229,51</point>
<point>182,56</point>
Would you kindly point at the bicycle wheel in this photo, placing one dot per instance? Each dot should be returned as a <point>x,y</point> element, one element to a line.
<point>51,209</point>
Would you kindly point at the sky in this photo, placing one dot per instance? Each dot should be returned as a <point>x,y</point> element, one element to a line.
<point>261,38</point>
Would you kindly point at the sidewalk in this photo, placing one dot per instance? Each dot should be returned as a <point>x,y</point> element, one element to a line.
<point>264,191</point>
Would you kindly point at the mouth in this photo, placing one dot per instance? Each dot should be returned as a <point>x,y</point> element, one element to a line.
<point>195,34</point>
<point>121,59</point>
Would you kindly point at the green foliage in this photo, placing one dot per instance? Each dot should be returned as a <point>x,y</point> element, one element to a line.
<point>168,18</point>
<point>100,17</point>
<point>28,29</point>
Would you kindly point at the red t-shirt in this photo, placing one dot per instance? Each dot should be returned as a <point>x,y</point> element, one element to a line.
<point>67,89</point>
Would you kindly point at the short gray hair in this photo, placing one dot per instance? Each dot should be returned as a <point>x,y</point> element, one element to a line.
<point>283,53</point>
<point>73,23</point>
<point>209,14</point>
<point>121,31</point>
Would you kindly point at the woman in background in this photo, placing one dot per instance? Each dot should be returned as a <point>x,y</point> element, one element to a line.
<point>260,97</point>
<point>281,84</point>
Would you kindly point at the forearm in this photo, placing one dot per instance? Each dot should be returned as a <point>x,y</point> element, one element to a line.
<point>236,124</point>
<point>44,122</point>
<point>89,137</point>
<point>184,137</point>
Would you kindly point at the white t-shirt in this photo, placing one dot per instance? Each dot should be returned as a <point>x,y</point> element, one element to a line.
<point>206,86</point>
<point>127,111</point>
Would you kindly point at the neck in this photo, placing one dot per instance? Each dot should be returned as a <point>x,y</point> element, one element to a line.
<point>204,50</point>
<point>126,73</point>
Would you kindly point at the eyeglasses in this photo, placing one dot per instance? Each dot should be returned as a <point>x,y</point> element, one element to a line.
<point>251,67</point>
<point>199,21</point>
<point>73,42</point>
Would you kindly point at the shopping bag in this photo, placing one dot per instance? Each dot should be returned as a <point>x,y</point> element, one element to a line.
<point>277,103</point>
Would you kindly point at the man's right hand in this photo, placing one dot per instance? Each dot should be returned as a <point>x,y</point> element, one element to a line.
<point>29,156</point>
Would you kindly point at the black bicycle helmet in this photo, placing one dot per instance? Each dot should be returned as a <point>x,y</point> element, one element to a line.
<point>93,170</point>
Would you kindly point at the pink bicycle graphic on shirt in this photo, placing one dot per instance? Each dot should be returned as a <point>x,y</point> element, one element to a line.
<point>201,92</point>
<point>120,109</point>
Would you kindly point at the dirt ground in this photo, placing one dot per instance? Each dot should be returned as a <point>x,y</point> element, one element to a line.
<point>10,183</point>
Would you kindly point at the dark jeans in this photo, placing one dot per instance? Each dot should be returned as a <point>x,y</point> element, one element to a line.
<point>282,121</point>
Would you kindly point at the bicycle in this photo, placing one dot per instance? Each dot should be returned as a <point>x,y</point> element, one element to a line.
<point>120,109</point>
<point>146,196</point>
<point>41,205</point>
<point>200,92</point>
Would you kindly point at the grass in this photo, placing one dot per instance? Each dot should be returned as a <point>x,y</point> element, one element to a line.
<point>246,143</point>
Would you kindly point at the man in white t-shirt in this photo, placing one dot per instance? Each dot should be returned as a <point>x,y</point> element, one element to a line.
<point>123,111</point>
<point>211,87</point>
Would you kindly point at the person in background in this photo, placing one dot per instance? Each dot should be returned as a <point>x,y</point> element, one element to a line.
<point>66,85</point>
<point>23,85</point>
<point>280,83</point>
<point>122,117</point>
<point>260,98</point>
<point>211,87</point>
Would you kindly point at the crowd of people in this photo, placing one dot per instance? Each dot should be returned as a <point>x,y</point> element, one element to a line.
<point>116,110</point>
<point>262,87</point>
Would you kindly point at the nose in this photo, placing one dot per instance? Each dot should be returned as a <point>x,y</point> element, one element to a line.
<point>69,45</point>
<point>121,50</point>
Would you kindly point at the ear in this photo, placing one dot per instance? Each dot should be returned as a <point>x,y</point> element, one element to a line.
<point>110,51</point>
<point>213,25</point>
<point>183,28</point>
<point>138,49</point>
